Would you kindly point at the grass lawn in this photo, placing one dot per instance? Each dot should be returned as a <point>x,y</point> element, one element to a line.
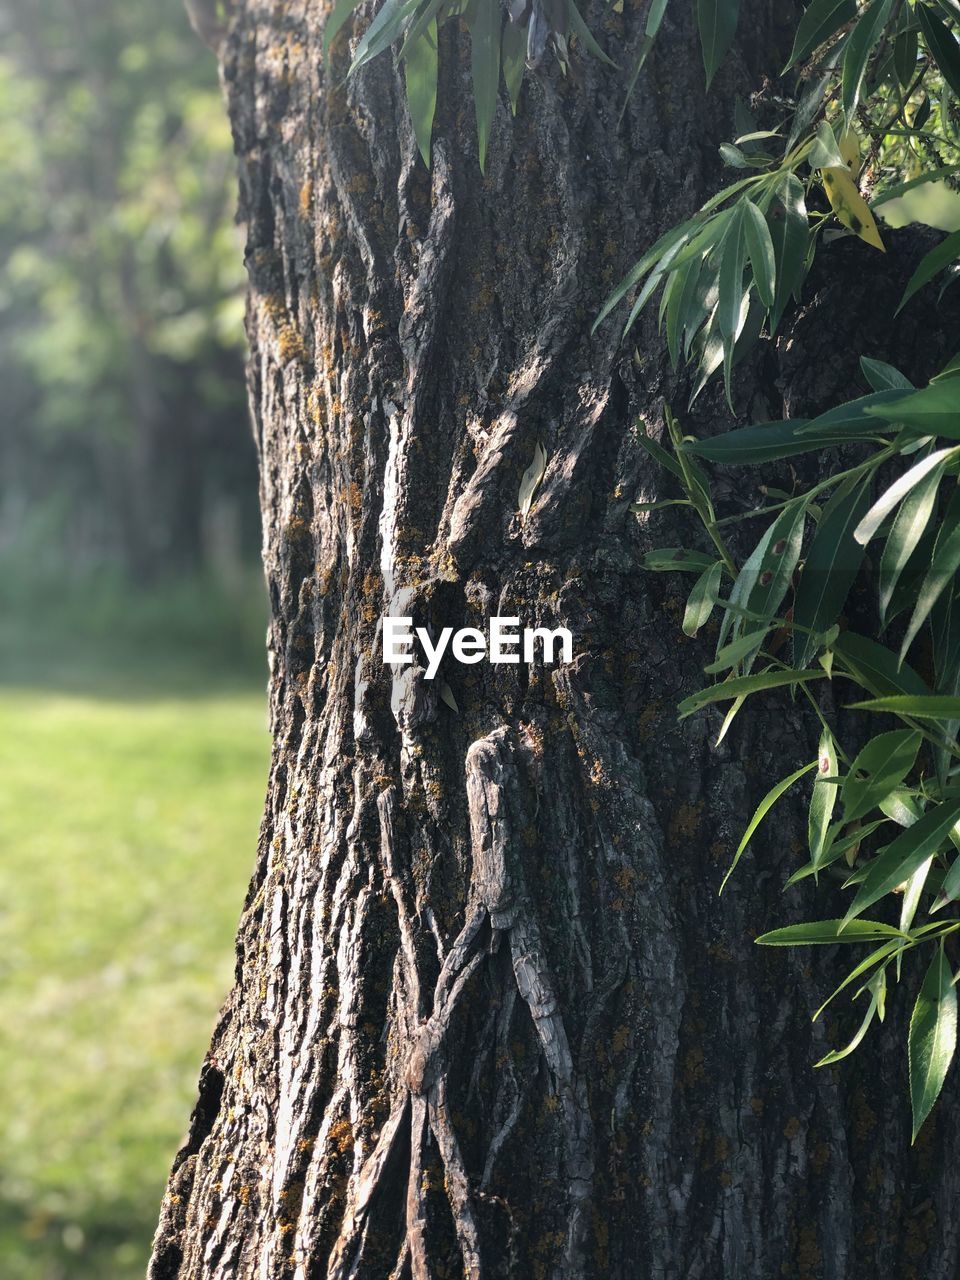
<point>128,824</point>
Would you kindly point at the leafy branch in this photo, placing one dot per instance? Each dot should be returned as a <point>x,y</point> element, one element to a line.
<point>865,72</point>
<point>866,112</point>
<point>888,820</point>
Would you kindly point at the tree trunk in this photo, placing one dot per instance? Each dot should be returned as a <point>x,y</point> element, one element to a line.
<point>490,1017</point>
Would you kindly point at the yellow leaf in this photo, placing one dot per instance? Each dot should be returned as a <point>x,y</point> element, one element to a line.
<point>850,149</point>
<point>849,205</point>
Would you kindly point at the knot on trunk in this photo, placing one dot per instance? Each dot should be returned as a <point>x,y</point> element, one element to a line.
<point>425,1065</point>
<point>491,775</point>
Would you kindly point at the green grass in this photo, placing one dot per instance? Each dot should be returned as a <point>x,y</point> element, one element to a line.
<point>131,786</point>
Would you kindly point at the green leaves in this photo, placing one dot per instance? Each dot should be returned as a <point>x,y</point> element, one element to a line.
<point>495,46</point>
<point>878,769</point>
<point>821,20</point>
<point>876,668</point>
<point>717,21</point>
<point>731,309</point>
<point>855,419</point>
<point>877,987</point>
<point>585,35</point>
<point>420,72</point>
<point>832,564</point>
<point>907,776</point>
<point>933,1037</point>
<point>651,27</point>
<point>513,56</point>
<point>759,244</point>
<point>871,522</point>
<point>823,799</point>
<point>769,441</point>
<point>883,376</point>
<point>905,50</point>
<point>900,188</point>
<point>943,567</point>
<point>903,541</point>
<point>917,707</point>
<point>484,19</point>
<point>741,685</point>
<point>902,856</point>
<point>726,270</point>
<point>825,152</point>
<point>671,559</point>
<point>942,44</point>
<point>387,25</point>
<point>766,442</point>
<point>934,410</point>
<point>931,264</point>
<point>763,808</point>
<point>341,12</point>
<point>790,236</point>
<point>768,573</point>
<point>824,933</point>
<point>702,599</point>
<point>857,51</point>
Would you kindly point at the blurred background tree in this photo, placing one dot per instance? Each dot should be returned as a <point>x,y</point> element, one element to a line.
<point>133,743</point>
<point>125,438</point>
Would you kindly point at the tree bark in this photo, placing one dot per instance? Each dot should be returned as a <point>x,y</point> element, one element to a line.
<point>490,1018</point>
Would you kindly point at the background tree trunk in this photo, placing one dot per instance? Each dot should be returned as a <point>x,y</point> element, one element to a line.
<point>490,1017</point>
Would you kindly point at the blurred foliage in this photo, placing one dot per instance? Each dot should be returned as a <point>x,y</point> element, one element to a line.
<point>121,296</point>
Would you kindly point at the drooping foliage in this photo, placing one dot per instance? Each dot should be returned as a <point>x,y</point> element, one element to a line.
<point>884,809</point>
<point>876,115</point>
<point>865,112</point>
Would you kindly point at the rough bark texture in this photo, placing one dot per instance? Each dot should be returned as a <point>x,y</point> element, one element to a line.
<point>490,1018</point>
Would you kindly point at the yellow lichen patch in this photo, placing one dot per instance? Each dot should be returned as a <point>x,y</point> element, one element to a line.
<point>648,718</point>
<point>720,851</point>
<point>340,1137</point>
<point>808,1256</point>
<point>864,1117</point>
<point>621,1039</point>
<point>360,184</point>
<point>684,823</point>
<point>921,1229</point>
<point>290,344</point>
<point>625,879</point>
<point>693,1070</point>
<point>315,406</point>
<point>720,953</point>
<point>296,530</point>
